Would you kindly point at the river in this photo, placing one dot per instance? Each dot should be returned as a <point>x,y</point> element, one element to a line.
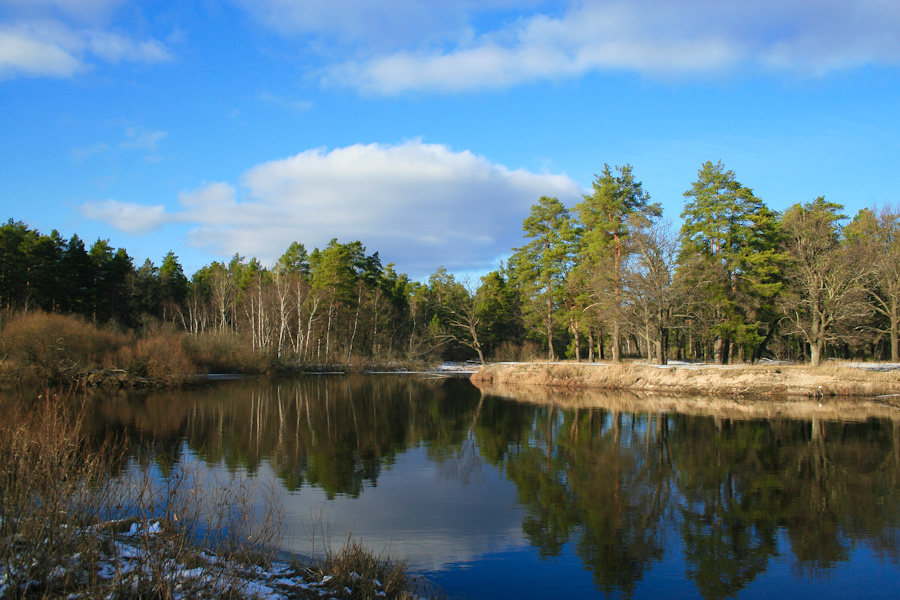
<point>500,498</point>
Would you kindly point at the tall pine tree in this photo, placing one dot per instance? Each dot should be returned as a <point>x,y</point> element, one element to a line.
<point>729,251</point>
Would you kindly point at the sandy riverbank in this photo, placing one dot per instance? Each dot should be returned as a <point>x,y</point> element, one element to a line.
<point>709,386</point>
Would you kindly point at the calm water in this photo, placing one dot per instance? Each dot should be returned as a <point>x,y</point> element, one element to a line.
<point>500,498</point>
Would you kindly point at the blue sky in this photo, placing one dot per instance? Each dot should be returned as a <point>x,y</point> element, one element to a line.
<point>426,129</point>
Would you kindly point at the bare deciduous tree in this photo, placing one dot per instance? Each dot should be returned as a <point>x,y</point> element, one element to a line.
<point>827,278</point>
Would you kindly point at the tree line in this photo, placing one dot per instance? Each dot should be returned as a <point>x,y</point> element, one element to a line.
<point>606,279</point>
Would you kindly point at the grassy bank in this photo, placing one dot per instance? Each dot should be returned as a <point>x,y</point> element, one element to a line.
<point>747,380</point>
<point>82,519</point>
<point>53,349</point>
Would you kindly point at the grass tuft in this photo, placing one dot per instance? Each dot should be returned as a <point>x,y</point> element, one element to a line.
<point>358,573</point>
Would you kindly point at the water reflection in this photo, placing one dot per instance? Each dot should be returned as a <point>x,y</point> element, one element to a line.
<point>438,471</point>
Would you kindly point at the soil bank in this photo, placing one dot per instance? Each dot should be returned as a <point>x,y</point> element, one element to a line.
<point>744,388</point>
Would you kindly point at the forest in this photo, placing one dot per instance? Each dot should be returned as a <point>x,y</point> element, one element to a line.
<point>608,279</point>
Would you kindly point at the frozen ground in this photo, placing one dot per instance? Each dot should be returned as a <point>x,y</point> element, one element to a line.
<point>131,562</point>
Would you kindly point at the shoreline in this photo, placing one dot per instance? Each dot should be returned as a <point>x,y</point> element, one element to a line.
<point>740,389</point>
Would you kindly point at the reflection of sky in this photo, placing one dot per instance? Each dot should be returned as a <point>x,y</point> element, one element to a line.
<point>432,513</point>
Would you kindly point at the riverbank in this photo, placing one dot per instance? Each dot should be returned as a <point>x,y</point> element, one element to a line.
<point>82,517</point>
<point>746,381</point>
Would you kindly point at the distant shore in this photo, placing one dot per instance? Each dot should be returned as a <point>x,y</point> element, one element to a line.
<point>833,381</point>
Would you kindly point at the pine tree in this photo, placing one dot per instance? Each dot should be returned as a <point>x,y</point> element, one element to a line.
<point>729,252</point>
<point>542,265</point>
<point>610,216</point>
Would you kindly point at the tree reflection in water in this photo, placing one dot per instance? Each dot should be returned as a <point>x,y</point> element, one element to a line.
<point>622,490</point>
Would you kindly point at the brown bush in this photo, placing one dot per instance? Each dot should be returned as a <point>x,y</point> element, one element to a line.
<point>52,488</point>
<point>51,346</point>
<point>161,357</point>
<point>225,353</point>
<point>511,352</point>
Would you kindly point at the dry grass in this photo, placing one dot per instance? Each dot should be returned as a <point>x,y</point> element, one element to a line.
<point>52,488</point>
<point>356,572</point>
<point>225,353</point>
<point>62,517</point>
<point>39,346</point>
<point>161,357</point>
<point>773,381</point>
<point>69,528</point>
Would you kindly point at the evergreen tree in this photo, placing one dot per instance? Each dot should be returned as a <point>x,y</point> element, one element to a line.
<point>14,236</point>
<point>173,285</point>
<point>44,256</point>
<point>729,251</point>
<point>609,216</point>
<point>542,265</point>
<point>77,278</point>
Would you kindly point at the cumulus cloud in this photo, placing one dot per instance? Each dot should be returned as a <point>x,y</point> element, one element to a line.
<point>367,25</point>
<point>126,216</point>
<point>419,205</point>
<point>22,54</point>
<point>658,38</point>
<point>61,38</point>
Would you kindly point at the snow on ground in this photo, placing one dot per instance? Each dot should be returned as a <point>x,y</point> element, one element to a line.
<point>130,562</point>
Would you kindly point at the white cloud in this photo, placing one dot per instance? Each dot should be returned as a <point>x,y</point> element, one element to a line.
<point>81,10</point>
<point>23,55</point>
<point>659,38</point>
<point>142,140</point>
<point>275,100</point>
<point>38,44</point>
<point>126,216</point>
<point>79,154</point>
<point>419,205</point>
<point>382,25</point>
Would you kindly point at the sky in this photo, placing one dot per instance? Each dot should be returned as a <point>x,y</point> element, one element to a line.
<point>426,129</point>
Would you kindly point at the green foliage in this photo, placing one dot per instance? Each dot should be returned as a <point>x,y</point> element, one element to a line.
<point>542,266</point>
<point>601,281</point>
<point>618,207</point>
<point>729,253</point>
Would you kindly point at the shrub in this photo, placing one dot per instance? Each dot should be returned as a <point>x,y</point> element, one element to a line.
<point>161,357</point>
<point>50,346</point>
<point>512,352</point>
<point>225,353</point>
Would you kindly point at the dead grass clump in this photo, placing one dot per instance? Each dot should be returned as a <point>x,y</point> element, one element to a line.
<point>53,488</point>
<point>68,528</point>
<point>225,353</point>
<point>356,572</point>
<point>52,347</point>
<point>160,356</point>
